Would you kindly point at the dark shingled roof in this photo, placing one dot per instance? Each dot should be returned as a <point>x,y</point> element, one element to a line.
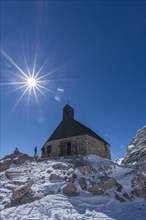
<point>70,128</point>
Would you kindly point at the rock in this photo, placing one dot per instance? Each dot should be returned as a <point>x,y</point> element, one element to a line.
<point>70,190</point>
<point>138,193</point>
<point>60,166</point>
<point>119,198</point>
<point>87,170</point>
<point>28,199</point>
<point>22,158</point>
<point>21,190</point>
<point>4,165</point>
<point>18,158</point>
<point>105,169</point>
<point>15,175</point>
<point>96,190</point>
<point>138,180</point>
<point>54,177</point>
<point>126,196</point>
<point>136,150</point>
<point>82,183</point>
<point>107,182</point>
<point>119,187</point>
<point>74,176</point>
<point>49,171</point>
<point>138,184</point>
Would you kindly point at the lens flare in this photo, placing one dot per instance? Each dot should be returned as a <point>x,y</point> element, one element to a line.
<point>31,84</point>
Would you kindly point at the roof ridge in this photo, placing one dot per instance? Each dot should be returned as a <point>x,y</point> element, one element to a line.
<point>90,131</point>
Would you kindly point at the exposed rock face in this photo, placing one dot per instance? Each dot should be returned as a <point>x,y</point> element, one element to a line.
<point>136,150</point>
<point>18,158</point>
<point>119,161</point>
<point>4,165</point>
<point>107,182</point>
<point>70,189</point>
<point>138,184</point>
<point>22,190</point>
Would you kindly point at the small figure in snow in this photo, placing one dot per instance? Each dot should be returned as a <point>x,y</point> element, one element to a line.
<point>35,153</point>
<point>16,151</point>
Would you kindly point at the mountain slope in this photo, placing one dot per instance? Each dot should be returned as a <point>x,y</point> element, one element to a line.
<point>136,150</point>
<point>71,188</point>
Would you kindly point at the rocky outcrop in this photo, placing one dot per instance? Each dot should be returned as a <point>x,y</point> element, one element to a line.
<point>70,189</point>
<point>138,182</point>
<point>22,190</point>
<point>18,158</point>
<point>4,164</point>
<point>136,150</point>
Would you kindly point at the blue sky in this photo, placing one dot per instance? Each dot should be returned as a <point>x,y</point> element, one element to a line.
<point>95,52</point>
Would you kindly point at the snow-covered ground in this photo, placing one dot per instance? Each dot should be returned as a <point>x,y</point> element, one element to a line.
<point>83,207</point>
<point>51,203</point>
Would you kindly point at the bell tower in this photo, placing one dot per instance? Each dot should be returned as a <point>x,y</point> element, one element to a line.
<point>68,112</point>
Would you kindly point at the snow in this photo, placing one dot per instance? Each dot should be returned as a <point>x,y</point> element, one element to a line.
<point>83,207</point>
<point>52,204</point>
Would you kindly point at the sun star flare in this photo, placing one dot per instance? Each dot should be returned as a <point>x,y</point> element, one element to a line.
<point>30,84</point>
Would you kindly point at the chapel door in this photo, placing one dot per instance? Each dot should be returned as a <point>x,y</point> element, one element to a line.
<point>68,148</point>
<point>62,149</point>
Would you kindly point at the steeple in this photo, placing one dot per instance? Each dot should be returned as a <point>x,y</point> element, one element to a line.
<point>68,112</point>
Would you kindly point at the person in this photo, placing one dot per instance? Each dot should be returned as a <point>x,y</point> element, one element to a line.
<point>35,153</point>
<point>16,151</point>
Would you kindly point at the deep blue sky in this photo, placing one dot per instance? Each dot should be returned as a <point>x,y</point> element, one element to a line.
<point>97,49</point>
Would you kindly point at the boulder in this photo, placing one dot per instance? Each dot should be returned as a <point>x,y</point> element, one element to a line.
<point>119,198</point>
<point>82,183</point>
<point>74,176</point>
<point>15,175</point>
<point>107,182</point>
<point>105,169</point>
<point>138,193</point>
<point>60,166</point>
<point>21,190</point>
<point>95,189</point>
<point>87,170</point>
<point>70,189</point>
<point>54,177</point>
<point>119,187</point>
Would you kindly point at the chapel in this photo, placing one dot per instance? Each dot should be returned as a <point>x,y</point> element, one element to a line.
<point>72,138</point>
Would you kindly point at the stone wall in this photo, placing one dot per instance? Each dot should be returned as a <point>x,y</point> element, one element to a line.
<point>97,147</point>
<point>80,145</point>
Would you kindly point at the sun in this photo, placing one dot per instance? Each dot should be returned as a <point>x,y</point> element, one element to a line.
<point>31,82</point>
